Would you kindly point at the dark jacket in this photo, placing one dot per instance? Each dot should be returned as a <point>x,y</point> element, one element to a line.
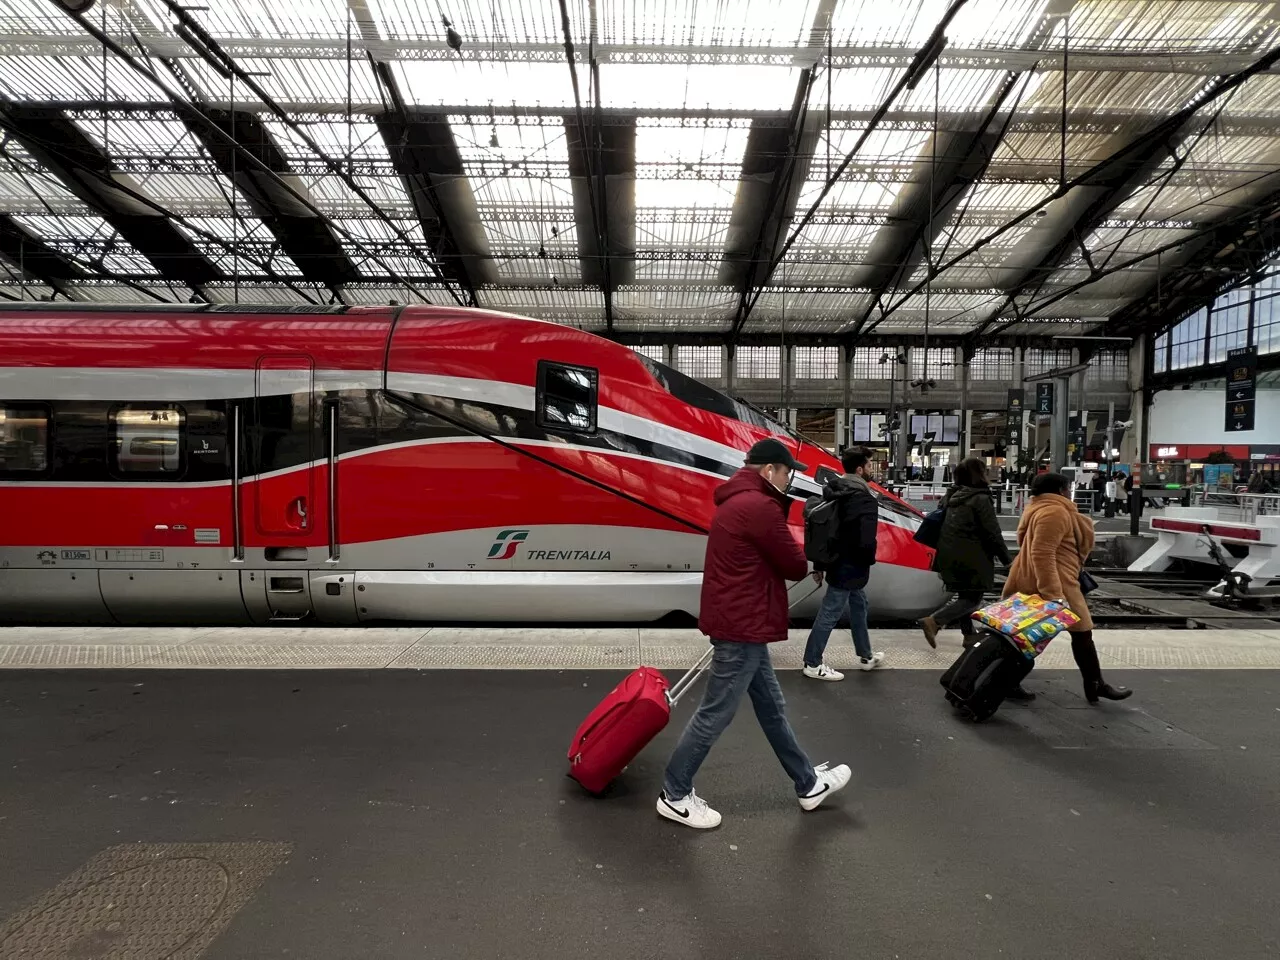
<point>970,541</point>
<point>859,516</point>
<point>751,554</point>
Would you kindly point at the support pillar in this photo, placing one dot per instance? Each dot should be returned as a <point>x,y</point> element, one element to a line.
<point>904,419</point>
<point>1058,430</point>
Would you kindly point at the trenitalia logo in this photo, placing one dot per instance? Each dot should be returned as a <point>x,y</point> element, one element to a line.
<point>506,544</point>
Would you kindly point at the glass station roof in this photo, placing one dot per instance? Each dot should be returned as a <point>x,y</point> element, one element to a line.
<point>740,166</point>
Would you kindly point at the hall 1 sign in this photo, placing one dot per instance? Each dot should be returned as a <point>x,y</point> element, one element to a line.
<point>1242,366</point>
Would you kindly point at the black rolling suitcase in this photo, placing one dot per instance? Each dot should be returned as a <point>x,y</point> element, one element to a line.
<point>986,673</point>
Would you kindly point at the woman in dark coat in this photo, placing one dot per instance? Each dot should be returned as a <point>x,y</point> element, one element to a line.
<point>968,547</point>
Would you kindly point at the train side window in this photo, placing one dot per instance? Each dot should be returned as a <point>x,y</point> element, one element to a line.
<point>568,397</point>
<point>147,438</point>
<point>24,440</point>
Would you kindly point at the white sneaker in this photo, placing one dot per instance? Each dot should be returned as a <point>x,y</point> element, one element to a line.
<point>823,672</point>
<point>829,781</point>
<point>873,662</point>
<point>692,811</point>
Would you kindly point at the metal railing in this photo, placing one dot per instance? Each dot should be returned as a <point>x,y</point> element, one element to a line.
<point>925,495</point>
<point>1241,507</point>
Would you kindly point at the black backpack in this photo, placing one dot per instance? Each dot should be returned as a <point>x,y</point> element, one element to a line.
<point>930,530</point>
<point>822,527</point>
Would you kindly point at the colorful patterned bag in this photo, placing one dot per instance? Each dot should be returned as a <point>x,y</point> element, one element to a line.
<point>1027,620</point>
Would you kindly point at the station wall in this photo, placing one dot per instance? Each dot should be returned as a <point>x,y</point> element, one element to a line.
<point>1199,416</point>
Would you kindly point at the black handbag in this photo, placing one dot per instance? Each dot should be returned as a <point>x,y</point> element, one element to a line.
<point>1084,578</point>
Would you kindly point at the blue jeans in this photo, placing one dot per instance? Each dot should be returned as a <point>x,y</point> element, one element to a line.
<point>833,605</point>
<point>738,668</point>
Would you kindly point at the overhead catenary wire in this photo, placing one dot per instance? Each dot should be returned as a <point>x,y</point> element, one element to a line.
<point>909,78</point>
<point>1208,94</point>
<point>116,186</point>
<point>185,107</point>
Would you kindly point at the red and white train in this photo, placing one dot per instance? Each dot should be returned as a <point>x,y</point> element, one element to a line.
<point>215,464</point>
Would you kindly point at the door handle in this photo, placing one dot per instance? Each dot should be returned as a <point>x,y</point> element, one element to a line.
<point>301,506</point>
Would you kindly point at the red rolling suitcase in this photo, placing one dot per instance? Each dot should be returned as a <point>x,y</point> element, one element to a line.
<point>624,722</point>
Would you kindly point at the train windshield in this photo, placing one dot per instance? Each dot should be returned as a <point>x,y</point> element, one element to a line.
<point>698,394</point>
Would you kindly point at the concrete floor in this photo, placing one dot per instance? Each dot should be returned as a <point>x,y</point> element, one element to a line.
<point>400,814</point>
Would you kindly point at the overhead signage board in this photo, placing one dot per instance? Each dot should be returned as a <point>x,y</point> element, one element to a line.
<point>1013,419</point>
<point>1044,398</point>
<point>1242,367</point>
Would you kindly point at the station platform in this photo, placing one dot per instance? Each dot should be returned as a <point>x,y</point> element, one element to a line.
<point>396,809</point>
<point>562,648</point>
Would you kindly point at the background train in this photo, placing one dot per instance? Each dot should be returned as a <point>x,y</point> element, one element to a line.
<point>215,464</point>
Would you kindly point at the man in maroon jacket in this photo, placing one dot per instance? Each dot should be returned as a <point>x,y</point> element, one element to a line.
<point>751,555</point>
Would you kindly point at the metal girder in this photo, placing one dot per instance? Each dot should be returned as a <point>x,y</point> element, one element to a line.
<point>635,338</point>
<point>588,174</point>
<point>608,255</point>
<point>927,208</point>
<point>1155,60</point>
<point>1227,256</point>
<point>425,155</point>
<point>1079,121</point>
<point>32,256</point>
<point>306,238</point>
<point>1103,177</point>
<point>62,148</point>
<point>774,168</point>
<point>1073,218</point>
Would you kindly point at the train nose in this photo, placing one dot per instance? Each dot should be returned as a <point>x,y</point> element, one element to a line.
<point>893,593</point>
<point>903,593</point>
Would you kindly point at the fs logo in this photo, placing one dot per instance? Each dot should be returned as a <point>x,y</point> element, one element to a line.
<point>506,544</point>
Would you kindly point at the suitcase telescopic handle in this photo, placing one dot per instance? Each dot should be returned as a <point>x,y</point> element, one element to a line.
<point>682,685</point>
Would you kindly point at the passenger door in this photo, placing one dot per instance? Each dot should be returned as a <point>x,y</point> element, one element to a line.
<point>285,433</point>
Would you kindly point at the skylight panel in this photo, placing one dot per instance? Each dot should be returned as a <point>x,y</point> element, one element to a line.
<point>670,228</point>
<point>1161,25</point>
<point>874,178</point>
<point>517,246</point>
<point>26,187</point>
<point>996,23</point>
<point>541,301</point>
<point>699,86</point>
<point>115,293</point>
<point>26,17</point>
<point>663,271</point>
<point>341,138</point>
<point>192,192</point>
<point>690,22</point>
<point>689,166</point>
<point>247,245</point>
<point>527,173</point>
<point>1151,94</point>
<point>679,245</point>
<point>479,84</point>
<point>380,247</point>
<point>290,81</point>
<point>479,22</point>
<point>74,79</point>
<point>251,293</point>
<point>956,90</point>
<point>295,20</point>
<point>780,303</point>
<point>163,135</point>
<point>676,306</point>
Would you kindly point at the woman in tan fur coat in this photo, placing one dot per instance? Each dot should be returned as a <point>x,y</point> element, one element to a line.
<point>1054,538</point>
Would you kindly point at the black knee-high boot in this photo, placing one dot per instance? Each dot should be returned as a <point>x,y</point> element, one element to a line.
<point>1086,655</point>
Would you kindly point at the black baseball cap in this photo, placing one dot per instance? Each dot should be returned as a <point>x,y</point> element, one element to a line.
<point>773,451</point>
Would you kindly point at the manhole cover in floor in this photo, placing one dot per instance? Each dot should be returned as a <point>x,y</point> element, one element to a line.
<point>141,902</point>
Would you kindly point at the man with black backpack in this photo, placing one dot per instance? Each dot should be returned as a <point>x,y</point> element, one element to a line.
<point>840,539</point>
